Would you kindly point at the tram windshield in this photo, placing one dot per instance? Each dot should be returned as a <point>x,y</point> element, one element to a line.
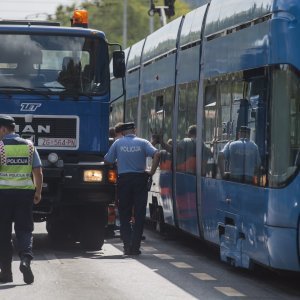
<point>53,64</point>
<point>285,125</point>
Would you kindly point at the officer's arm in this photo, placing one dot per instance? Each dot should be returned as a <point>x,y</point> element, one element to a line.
<point>155,162</point>
<point>166,146</point>
<point>38,182</point>
<point>108,162</point>
<point>110,156</point>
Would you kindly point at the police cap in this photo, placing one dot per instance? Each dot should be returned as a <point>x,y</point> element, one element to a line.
<point>119,127</point>
<point>128,126</point>
<point>6,120</point>
<point>245,129</point>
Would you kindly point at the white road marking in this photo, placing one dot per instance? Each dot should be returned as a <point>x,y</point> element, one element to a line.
<point>203,276</point>
<point>148,249</point>
<point>163,256</point>
<point>181,265</point>
<point>110,250</point>
<point>228,291</point>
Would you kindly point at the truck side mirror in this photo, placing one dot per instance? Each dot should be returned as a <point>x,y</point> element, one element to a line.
<point>119,64</point>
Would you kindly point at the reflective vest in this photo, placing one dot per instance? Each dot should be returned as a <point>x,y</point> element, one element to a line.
<point>16,164</point>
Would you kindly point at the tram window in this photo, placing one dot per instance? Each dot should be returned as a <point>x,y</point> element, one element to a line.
<point>224,117</point>
<point>116,114</point>
<point>146,109</point>
<point>209,131</point>
<point>168,112</point>
<point>285,125</point>
<point>224,111</point>
<point>237,96</point>
<point>186,129</point>
<point>210,113</point>
<point>157,116</point>
<point>159,102</point>
<point>182,111</point>
<point>131,110</point>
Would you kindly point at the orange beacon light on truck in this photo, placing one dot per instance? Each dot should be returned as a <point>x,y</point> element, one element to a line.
<point>79,18</point>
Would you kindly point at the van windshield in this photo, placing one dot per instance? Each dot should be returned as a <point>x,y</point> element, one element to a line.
<point>55,64</point>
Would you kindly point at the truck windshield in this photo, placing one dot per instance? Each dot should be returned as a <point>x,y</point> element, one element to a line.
<point>56,64</point>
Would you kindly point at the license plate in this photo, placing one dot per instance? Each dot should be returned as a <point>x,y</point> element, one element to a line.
<point>57,142</point>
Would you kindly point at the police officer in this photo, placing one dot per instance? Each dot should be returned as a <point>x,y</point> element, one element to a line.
<point>131,153</point>
<point>242,156</point>
<point>118,130</point>
<point>19,163</point>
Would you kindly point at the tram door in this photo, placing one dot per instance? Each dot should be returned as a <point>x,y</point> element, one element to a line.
<point>233,195</point>
<point>160,129</point>
<point>185,159</point>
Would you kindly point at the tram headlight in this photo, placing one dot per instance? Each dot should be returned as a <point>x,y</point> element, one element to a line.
<point>53,158</point>
<point>92,176</point>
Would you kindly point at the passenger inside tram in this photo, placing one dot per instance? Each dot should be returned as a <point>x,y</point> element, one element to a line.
<point>186,152</point>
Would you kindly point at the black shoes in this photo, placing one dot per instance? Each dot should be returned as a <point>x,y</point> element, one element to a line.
<point>26,270</point>
<point>6,277</point>
<point>130,251</point>
<point>126,250</point>
<point>135,252</point>
<point>6,274</point>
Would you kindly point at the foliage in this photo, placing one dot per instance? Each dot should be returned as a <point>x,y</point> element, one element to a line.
<point>107,15</point>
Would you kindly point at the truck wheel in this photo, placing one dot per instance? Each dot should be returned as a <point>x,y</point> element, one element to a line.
<point>55,229</point>
<point>92,231</point>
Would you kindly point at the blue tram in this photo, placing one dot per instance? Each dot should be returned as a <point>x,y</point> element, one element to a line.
<point>223,66</point>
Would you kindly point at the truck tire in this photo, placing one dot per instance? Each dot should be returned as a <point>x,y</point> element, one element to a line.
<point>92,231</point>
<point>56,230</point>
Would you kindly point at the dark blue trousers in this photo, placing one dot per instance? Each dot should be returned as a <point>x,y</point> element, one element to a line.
<point>132,194</point>
<point>15,207</point>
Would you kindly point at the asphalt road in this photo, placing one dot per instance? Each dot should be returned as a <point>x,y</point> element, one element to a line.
<point>169,268</point>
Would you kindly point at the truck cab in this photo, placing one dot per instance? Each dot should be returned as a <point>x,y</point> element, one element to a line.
<point>55,82</point>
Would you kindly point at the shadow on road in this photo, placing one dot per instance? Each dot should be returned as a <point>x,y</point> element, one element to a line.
<point>4,286</point>
<point>185,249</point>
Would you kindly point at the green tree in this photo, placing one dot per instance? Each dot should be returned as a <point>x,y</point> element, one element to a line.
<point>107,15</point>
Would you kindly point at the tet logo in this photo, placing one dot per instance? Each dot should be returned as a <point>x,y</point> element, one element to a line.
<point>30,106</point>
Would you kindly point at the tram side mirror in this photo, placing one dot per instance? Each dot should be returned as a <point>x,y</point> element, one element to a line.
<point>119,64</point>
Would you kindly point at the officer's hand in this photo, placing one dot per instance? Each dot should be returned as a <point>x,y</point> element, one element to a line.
<point>37,198</point>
